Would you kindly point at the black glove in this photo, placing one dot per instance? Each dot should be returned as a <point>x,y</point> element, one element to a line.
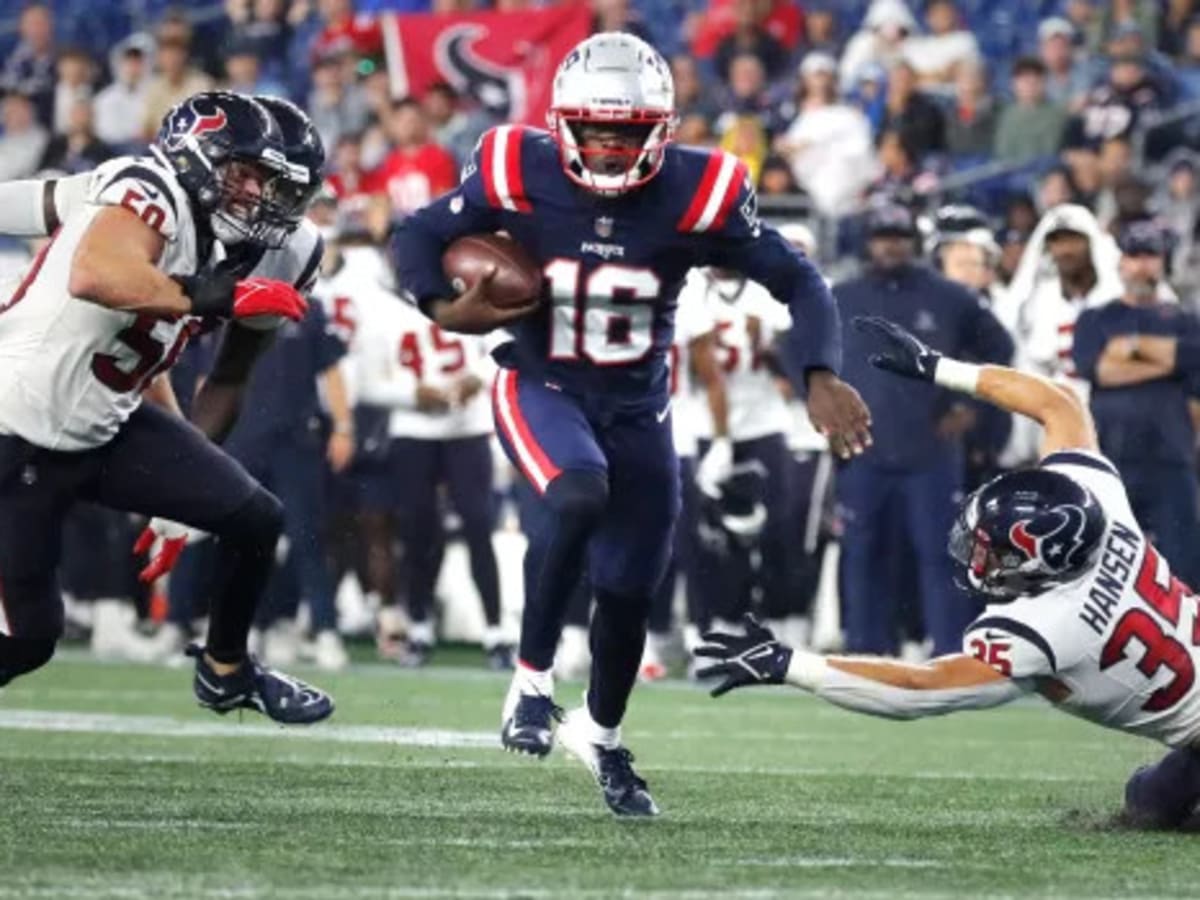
<point>757,658</point>
<point>904,354</point>
<point>211,291</point>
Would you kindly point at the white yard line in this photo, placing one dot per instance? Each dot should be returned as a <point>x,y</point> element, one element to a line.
<point>165,727</point>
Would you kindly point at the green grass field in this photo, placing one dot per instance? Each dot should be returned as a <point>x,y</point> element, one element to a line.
<point>115,785</point>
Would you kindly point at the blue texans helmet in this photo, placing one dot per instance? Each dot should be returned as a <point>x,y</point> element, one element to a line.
<point>217,143</point>
<point>1026,532</point>
<point>305,155</point>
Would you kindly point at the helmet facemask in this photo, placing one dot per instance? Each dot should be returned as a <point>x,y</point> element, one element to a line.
<point>244,209</point>
<point>611,152</point>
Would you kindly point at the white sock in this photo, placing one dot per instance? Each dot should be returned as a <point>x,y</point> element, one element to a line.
<point>597,734</point>
<point>421,632</point>
<point>493,636</point>
<point>533,681</point>
<point>691,638</point>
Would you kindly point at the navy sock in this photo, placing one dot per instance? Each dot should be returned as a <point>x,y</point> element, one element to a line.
<point>618,636</point>
<point>1166,793</point>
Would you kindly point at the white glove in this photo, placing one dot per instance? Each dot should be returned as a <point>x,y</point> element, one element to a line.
<point>164,540</point>
<point>716,467</point>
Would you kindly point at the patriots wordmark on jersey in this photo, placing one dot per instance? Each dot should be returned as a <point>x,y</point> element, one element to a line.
<point>1119,646</point>
<point>612,266</point>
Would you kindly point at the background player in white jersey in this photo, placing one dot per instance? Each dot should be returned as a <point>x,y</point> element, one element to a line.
<point>1081,609</point>
<point>432,385</point>
<point>97,319</point>
<point>748,320</point>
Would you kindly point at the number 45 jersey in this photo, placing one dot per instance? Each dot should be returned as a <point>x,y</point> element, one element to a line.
<point>1119,646</point>
<point>71,371</point>
<point>612,266</point>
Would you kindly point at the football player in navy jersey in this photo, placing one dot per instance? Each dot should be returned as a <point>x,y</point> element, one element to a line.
<point>616,216</point>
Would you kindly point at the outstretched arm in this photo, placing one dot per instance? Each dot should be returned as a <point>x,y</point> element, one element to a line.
<point>1058,409</point>
<point>875,686</point>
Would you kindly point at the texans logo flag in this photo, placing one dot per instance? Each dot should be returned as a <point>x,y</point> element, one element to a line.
<point>505,61</point>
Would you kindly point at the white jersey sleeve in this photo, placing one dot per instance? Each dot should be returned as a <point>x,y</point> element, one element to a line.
<point>143,187</point>
<point>693,320</point>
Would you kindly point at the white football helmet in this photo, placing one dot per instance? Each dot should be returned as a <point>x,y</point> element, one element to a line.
<point>616,80</point>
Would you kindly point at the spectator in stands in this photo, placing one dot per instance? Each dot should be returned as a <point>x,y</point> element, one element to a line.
<point>938,55</point>
<point>343,32</point>
<point>454,128</point>
<point>898,170</point>
<point>76,78</point>
<point>336,107</point>
<point>119,107</point>
<point>243,71</point>
<point>745,137</point>
<point>1086,20</point>
<point>417,170</point>
<point>29,69</point>
<point>1020,213</point>
<point>1177,205</point>
<point>746,93</point>
<point>691,98</point>
<point>1125,15</point>
<point>919,120</point>
<point>266,31</point>
<point>777,178</point>
<point>750,35</point>
<point>971,124</point>
<point>77,149</point>
<point>1113,108</point>
<point>822,34</point>
<point>1140,403</point>
<point>616,15</point>
<point>870,96</point>
<point>1188,68</point>
<point>1031,126</point>
<point>1067,76</point>
<point>829,143</point>
<point>23,140</point>
<point>713,21</point>
<point>880,40</point>
<point>176,80</point>
<point>1056,187</point>
<point>1128,41</point>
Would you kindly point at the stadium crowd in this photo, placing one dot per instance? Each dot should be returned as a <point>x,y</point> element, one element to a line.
<point>1010,180</point>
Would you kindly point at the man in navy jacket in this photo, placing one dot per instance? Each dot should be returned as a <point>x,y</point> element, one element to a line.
<point>906,484</point>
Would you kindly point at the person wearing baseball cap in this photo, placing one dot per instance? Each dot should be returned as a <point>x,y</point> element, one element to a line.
<point>1141,393</point>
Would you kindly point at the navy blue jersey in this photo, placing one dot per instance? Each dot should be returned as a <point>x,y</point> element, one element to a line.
<point>1146,422</point>
<point>613,266</point>
<point>281,395</point>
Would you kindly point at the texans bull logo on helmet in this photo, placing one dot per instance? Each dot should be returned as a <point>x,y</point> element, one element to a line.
<point>1055,539</point>
<point>499,90</point>
<point>189,121</point>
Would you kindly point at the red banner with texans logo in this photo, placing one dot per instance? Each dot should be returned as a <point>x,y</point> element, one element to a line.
<point>506,61</point>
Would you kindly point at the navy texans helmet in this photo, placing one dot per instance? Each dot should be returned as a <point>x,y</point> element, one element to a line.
<point>1026,532</point>
<point>225,150</point>
<point>305,155</point>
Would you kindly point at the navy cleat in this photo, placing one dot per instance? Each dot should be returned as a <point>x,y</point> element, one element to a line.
<point>277,696</point>
<point>624,790</point>
<point>528,723</point>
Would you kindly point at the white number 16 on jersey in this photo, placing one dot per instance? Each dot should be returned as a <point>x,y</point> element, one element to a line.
<point>607,318</point>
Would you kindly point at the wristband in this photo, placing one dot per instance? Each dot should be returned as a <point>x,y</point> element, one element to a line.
<point>957,376</point>
<point>209,296</point>
<point>806,670</point>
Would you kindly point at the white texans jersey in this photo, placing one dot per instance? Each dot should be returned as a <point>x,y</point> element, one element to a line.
<point>71,371</point>
<point>396,349</point>
<point>1119,646</point>
<point>747,321</point>
<point>693,320</point>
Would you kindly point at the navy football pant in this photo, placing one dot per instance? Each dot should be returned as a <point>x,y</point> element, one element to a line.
<point>464,466</point>
<point>1165,794</point>
<point>1164,500</point>
<point>609,482</point>
<point>292,465</point>
<point>876,503</point>
<point>157,465</point>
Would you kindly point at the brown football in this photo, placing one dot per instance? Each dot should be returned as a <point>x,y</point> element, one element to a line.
<point>517,281</point>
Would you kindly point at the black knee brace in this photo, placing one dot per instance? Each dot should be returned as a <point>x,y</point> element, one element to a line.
<point>21,655</point>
